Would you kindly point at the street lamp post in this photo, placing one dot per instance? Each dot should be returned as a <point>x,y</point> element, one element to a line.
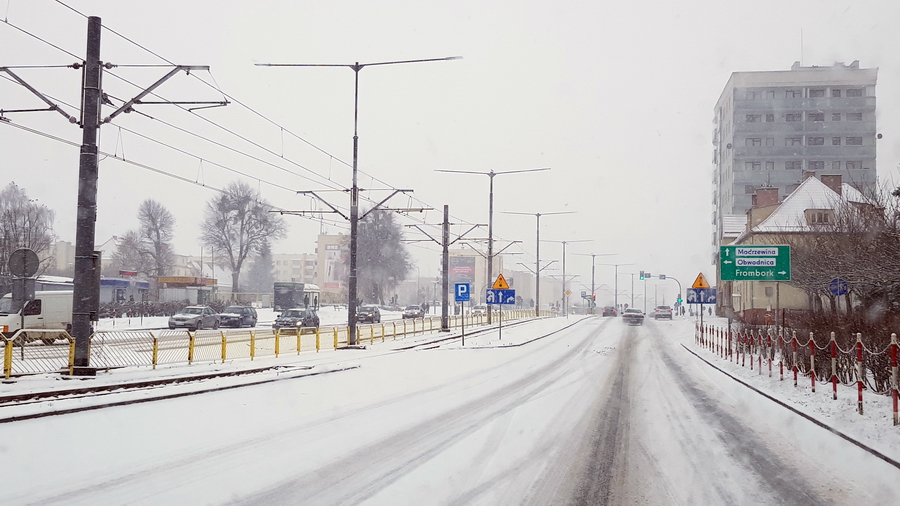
<point>593,269</point>
<point>354,189</point>
<point>490,254</point>
<point>617,283</point>
<point>537,267</point>
<point>565,280</point>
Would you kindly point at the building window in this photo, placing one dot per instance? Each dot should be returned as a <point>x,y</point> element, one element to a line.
<point>835,141</point>
<point>754,141</point>
<point>852,165</point>
<point>816,93</point>
<point>835,116</point>
<point>753,118</point>
<point>793,94</point>
<point>854,116</point>
<point>770,94</point>
<point>815,141</point>
<point>836,93</point>
<point>770,118</point>
<point>770,141</point>
<point>793,141</point>
<point>815,116</point>
<point>770,165</point>
<point>818,216</point>
<point>854,92</point>
<point>793,164</point>
<point>793,116</point>
<point>752,95</point>
<point>752,165</point>
<point>770,292</point>
<point>854,141</point>
<point>817,165</point>
<point>835,165</point>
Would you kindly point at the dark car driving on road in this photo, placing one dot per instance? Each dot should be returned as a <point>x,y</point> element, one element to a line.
<point>238,316</point>
<point>305,317</point>
<point>413,312</point>
<point>368,313</point>
<point>609,311</point>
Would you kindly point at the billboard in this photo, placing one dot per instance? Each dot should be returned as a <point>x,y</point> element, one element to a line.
<point>461,269</point>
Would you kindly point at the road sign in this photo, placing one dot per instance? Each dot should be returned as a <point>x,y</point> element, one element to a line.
<point>499,296</point>
<point>568,292</point>
<point>462,292</point>
<point>583,294</point>
<point>700,296</point>
<point>23,263</point>
<point>838,287</point>
<point>755,263</point>
<point>500,284</point>
<point>700,282</point>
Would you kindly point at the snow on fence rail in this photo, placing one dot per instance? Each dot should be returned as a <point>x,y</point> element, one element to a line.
<point>115,349</point>
<point>867,368</point>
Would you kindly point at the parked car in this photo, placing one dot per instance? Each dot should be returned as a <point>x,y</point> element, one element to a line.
<point>633,316</point>
<point>305,317</point>
<point>368,313</point>
<point>662,312</point>
<point>413,312</point>
<point>479,310</point>
<point>610,311</point>
<point>238,316</point>
<point>195,318</point>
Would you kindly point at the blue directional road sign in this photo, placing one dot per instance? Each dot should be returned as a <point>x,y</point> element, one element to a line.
<point>462,292</point>
<point>838,287</point>
<point>500,296</point>
<point>700,296</point>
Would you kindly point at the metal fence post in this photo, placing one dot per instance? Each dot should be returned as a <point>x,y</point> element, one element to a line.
<point>859,369</point>
<point>155,351</point>
<point>224,346</point>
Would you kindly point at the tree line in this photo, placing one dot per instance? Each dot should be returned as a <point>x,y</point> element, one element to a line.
<point>238,227</point>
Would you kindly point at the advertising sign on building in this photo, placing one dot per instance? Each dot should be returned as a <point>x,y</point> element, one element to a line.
<point>461,269</point>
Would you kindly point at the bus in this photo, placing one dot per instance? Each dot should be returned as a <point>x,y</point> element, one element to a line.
<point>289,295</point>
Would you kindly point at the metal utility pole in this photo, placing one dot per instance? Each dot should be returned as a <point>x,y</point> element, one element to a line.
<point>86,280</point>
<point>616,296</point>
<point>537,262</point>
<point>84,292</point>
<point>354,189</point>
<point>490,254</point>
<point>445,271</point>
<point>593,268</point>
<point>565,279</point>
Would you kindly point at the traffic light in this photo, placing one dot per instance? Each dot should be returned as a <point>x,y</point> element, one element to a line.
<point>594,297</point>
<point>642,274</point>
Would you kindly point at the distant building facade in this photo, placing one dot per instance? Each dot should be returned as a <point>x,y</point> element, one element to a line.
<point>771,127</point>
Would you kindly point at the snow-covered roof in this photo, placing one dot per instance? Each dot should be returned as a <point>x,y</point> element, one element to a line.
<point>790,216</point>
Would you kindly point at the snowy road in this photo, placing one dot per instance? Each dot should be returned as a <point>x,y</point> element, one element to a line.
<point>597,413</point>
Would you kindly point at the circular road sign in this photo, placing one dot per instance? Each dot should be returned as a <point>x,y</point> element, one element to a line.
<point>23,263</point>
<point>838,286</point>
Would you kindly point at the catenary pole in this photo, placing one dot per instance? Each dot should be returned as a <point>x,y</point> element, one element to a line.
<point>84,292</point>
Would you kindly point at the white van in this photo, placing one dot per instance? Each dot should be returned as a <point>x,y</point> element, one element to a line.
<point>48,310</point>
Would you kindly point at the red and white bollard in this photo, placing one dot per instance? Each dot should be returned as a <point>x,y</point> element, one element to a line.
<point>759,350</point>
<point>781,354</point>
<point>743,338</point>
<point>769,349</point>
<point>812,361</point>
<point>833,367</point>
<point>794,362</point>
<point>894,376</point>
<point>859,370</point>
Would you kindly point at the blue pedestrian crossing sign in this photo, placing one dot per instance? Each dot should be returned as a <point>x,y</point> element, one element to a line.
<point>493,296</point>
<point>462,292</point>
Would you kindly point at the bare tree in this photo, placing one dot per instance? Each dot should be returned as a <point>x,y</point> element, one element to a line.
<point>131,255</point>
<point>156,231</point>
<point>382,261</point>
<point>237,224</point>
<point>23,224</point>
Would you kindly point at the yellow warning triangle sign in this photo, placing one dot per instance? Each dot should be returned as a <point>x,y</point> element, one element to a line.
<point>700,282</point>
<point>500,284</point>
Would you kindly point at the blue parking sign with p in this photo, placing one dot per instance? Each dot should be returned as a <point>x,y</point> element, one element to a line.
<point>462,292</point>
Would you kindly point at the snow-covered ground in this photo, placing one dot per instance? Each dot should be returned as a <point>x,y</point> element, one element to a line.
<point>509,420</point>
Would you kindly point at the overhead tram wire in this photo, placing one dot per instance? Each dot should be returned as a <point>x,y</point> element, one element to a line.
<point>231,132</point>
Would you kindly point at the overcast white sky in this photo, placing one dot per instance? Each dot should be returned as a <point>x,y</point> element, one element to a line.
<point>616,99</point>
